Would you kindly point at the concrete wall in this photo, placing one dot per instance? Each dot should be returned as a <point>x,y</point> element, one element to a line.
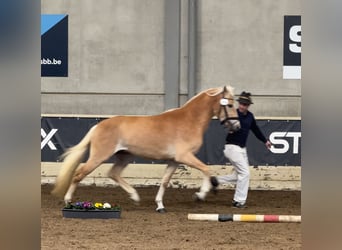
<point>241,43</point>
<point>115,58</point>
<point>116,55</point>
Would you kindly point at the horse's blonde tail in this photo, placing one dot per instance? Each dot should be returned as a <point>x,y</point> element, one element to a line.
<point>72,158</point>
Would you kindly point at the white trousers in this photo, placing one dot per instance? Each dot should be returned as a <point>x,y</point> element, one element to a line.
<point>238,158</point>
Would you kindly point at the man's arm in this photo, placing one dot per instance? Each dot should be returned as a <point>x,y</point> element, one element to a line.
<point>257,132</point>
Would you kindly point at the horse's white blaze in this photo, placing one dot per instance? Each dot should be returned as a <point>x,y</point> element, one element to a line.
<point>224,101</point>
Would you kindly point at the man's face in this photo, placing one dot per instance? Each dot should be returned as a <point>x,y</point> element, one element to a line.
<point>243,107</point>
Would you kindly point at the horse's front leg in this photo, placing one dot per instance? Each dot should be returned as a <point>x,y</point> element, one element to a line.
<point>191,160</point>
<point>169,171</point>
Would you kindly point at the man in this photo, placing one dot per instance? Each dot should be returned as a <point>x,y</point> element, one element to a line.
<point>235,151</point>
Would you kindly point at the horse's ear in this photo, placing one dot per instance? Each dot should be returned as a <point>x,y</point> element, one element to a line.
<point>225,89</point>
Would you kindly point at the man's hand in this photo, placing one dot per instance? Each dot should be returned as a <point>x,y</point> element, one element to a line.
<point>268,144</point>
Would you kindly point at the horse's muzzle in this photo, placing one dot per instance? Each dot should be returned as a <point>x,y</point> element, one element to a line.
<point>232,124</point>
<point>235,125</point>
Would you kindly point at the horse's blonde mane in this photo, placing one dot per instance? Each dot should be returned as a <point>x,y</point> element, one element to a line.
<point>212,92</point>
<point>216,91</point>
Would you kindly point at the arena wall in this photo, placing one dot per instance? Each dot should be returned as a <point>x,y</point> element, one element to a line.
<point>117,55</point>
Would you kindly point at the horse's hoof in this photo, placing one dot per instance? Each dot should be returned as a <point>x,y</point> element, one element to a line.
<point>135,197</point>
<point>214,190</point>
<point>214,184</point>
<point>161,210</point>
<point>67,202</point>
<point>136,203</point>
<point>195,197</point>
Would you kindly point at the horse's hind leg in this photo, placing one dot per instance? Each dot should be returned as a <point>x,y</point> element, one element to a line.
<point>122,160</point>
<point>82,171</point>
<point>95,159</point>
<point>169,171</point>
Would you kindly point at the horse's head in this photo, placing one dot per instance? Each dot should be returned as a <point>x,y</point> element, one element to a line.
<point>226,111</point>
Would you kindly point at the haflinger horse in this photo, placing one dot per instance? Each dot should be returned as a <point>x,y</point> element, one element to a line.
<point>174,135</point>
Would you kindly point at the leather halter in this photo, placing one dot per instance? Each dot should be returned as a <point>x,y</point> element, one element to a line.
<point>224,107</point>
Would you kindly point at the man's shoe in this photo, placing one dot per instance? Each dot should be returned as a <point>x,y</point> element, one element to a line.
<point>214,184</point>
<point>236,204</point>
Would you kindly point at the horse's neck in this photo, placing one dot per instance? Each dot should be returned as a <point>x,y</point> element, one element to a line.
<point>200,110</point>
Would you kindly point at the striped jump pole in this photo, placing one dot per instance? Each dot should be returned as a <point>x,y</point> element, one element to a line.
<point>245,217</point>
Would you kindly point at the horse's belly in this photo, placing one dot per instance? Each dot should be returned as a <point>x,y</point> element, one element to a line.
<point>158,153</point>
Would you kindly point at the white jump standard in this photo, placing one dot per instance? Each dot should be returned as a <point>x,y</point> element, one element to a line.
<point>245,217</point>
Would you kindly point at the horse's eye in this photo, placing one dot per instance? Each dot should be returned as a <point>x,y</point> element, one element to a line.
<point>230,105</point>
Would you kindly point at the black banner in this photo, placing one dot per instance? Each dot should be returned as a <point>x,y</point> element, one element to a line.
<point>59,133</point>
<point>292,47</point>
<point>286,139</point>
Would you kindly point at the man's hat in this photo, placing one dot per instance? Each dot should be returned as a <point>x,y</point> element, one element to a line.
<point>245,97</point>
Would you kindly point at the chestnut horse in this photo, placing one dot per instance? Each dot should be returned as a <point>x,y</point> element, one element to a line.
<point>175,136</point>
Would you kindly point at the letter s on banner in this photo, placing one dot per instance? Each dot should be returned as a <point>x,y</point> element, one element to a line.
<point>275,141</point>
<point>295,36</point>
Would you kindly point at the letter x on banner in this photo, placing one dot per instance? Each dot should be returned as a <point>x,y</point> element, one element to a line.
<point>47,138</point>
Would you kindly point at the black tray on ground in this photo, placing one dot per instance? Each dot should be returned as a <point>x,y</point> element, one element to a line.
<point>91,214</point>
